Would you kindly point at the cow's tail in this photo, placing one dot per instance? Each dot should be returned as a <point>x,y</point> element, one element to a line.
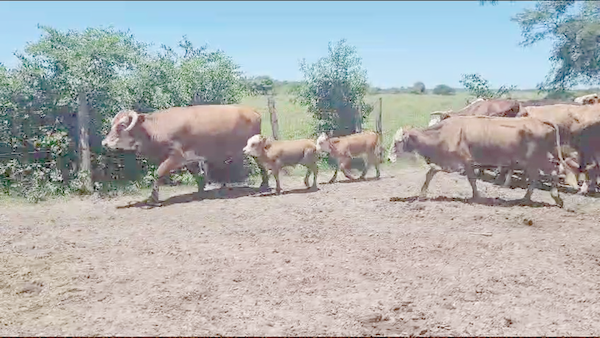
<point>570,178</point>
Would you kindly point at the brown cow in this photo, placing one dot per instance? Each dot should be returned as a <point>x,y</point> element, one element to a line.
<point>176,136</point>
<point>274,155</point>
<point>462,141</point>
<point>578,125</point>
<point>495,107</point>
<point>343,148</point>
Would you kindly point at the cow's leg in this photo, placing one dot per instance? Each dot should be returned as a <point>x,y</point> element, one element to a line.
<point>195,169</point>
<point>472,181</point>
<point>164,169</point>
<point>549,167</point>
<point>311,168</point>
<point>509,175</point>
<point>428,177</point>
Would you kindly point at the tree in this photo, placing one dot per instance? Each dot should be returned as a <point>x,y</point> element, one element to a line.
<point>480,88</point>
<point>261,85</point>
<point>334,88</point>
<point>82,64</point>
<point>574,27</point>
<point>418,88</point>
<point>443,90</point>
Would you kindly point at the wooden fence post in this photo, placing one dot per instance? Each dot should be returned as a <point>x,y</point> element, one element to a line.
<point>379,126</point>
<point>273,115</point>
<point>83,124</point>
<point>358,120</point>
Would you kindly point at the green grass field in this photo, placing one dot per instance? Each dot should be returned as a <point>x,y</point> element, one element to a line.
<point>398,110</point>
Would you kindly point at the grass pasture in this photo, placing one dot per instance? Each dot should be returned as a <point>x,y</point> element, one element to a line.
<point>398,110</point>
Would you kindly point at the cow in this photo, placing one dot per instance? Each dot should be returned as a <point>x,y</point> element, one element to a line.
<point>544,102</point>
<point>275,154</point>
<point>180,136</point>
<point>462,141</point>
<point>366,144</point>
<point>578,126</point>
<point>485,107</point>
<point>587,99</point>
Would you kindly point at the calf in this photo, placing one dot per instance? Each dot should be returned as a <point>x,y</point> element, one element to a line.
<point>343,148</point>
<point>462,141</point>
<point>275,155</point>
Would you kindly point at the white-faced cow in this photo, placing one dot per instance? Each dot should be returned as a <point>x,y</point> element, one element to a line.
<point>275,155</point>
<point>462,141</point>
<point>344,148</point>
<point>177,136</point>
<point>588,99</point>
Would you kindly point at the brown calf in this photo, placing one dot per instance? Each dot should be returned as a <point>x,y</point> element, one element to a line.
<point>275,155</point>
<point>343,148</point>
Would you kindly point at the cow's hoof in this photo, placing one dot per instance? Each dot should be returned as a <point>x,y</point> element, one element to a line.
<point>152,203</point>
<point>264,188</point>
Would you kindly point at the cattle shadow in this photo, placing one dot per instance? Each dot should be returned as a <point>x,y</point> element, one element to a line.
<point>347,180</point>
<point>287,192</point>
<point>488,201</point>
<point>520,182</point>
<point>213,194</point>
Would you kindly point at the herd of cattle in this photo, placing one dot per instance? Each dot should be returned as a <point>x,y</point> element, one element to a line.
<point>538,137</point>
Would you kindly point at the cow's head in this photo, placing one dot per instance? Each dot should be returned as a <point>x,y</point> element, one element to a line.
<point>255,146</point>
<point>120,135</point>
<point>401,145</point>
<point>323,145</point>
<point>587,99</point>
<point>438,116</point>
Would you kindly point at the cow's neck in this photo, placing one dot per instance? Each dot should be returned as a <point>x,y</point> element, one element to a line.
<point>147,143</point>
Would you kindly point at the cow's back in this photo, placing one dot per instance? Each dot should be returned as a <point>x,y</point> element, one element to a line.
<point>216,132</point>
<point>495,140</point>
<point>498,107</point>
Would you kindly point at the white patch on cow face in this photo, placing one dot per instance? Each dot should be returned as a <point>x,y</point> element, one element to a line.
<point>323,144</point>
<point>253,145</point>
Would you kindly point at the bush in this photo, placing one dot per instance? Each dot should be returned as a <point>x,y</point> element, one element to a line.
<point>418,88</point>
<point>443,90</point>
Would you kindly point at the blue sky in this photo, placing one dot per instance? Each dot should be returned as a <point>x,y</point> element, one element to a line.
<point>399,42</point>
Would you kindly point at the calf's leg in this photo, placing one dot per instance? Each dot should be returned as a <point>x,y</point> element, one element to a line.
<point>345,165</point>
<point>275,172</point>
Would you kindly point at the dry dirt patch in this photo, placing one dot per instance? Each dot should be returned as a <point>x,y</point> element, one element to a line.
<point>344,260</point>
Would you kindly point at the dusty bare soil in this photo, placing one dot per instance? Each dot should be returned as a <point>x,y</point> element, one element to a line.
<point>345,260</point>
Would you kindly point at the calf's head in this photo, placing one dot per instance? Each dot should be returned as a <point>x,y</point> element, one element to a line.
<point>323,145</point>
<point>255,146</point>
<point>120,135</point>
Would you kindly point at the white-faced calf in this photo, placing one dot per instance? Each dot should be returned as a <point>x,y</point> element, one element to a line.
<point>275,155</point>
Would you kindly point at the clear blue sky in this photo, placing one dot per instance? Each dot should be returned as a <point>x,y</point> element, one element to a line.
<point>399,42</point>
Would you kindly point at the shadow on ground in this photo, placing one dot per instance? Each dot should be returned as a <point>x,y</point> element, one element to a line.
<point>489,201</point>
<point>214,194</point>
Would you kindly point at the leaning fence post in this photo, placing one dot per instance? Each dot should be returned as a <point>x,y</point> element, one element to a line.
<point>379,125</point>
<point>358,120</point>
<point>273,115</point>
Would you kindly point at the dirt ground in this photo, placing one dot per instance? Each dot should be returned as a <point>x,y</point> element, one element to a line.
<point>349,259</point>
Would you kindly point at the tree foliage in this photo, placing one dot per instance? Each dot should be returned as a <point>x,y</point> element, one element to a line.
<point>443,89</point>
<point>574,28</point>
<point>334,88</point>
<point>38,100</point>
<point>418,88</point>
<point>480,88</point>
